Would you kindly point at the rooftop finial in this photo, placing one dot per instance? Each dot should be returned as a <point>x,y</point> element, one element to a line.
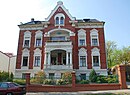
<point>59,3</point>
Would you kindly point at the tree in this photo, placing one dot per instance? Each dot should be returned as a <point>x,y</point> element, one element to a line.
<point>92,76</point>
<point>110,47</point>
<point>124,56</point>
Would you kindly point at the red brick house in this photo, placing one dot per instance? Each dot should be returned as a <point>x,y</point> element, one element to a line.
<point>61,43</point>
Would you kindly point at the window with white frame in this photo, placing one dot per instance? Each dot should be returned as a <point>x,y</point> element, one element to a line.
<point>82,57</point>
<point>59,19</point>
<point>25,61</point>
<point>82,61</point>
<point>83,76</point>
<point>95,57</point>
<point>26,42</point>
<point>95,60</point>
<point>38,42</point>
<point>81,37</point>
<point>27,38</point>
<point>38,39</point>
<point>37,61</point>
<point>25,57</point>
<point>37,57</point>
<point>82,42</point>
<point>94,37</point>
<point>62,20</point>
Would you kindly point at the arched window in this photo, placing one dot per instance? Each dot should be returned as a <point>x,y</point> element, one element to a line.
<point>57,20</point>
<point>81,37</point>
<point>27,39</point>
<point>37,57</point>
<point>95,57</point>
<point>82,57</point>
<point>61,20</point>
<point>25,58</point>
<point>94,37</point>
<point>38,39</point>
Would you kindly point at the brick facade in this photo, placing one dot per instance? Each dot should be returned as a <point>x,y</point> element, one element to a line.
<point>71,26</point>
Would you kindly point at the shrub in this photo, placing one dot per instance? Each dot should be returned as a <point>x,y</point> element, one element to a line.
<point>61,82</point>
<point>84,82</point>
<point>67,76</point>
<point>40,76</point>
<point>20,81</point>
<point>92,76</point>
<point>49,81</point>
<point>5,76</point>
<point>101,79</point>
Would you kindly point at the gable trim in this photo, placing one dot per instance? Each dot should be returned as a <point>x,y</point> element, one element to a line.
<point>59,4</point>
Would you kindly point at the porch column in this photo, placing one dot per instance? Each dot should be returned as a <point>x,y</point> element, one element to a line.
<point>49,58</point>
<point>70,58</point>
<point>45,60</point>
<point>66,58</point>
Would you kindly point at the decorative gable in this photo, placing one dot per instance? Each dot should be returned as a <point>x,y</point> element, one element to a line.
<point>59,8</point>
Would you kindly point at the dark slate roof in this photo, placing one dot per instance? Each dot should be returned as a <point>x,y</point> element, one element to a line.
<point>88,20</point>
<point>32,22</point>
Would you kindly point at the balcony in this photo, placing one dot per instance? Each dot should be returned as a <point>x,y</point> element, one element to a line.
<point>58,43</point>
<point>57,67</point>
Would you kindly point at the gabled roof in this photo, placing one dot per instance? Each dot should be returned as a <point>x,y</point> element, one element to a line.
<point>59,4</point>
<point>7,54</point>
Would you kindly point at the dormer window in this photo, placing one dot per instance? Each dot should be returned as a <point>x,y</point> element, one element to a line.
<point>59,19</point>
<point>62,20</point>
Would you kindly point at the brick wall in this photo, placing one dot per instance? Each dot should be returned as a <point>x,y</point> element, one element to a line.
<point>78,87</point>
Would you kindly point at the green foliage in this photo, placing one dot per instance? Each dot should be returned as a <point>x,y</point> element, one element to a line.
<point>40,77</point>
<point>49,81</point>
<point>117,56</point>
<point>111,47</point>
<point>107,79</point>
<point>92,76</point>
<point>101,79</point>
<point>67,76</point>
<point>61,82</point>
<point>20,81</point>
<point>5,76</point>
<point>84,82</point>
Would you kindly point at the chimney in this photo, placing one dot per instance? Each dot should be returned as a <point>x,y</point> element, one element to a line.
<point>32,19</point>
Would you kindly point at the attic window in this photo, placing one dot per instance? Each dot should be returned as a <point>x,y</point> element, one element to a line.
<point>59,19</point>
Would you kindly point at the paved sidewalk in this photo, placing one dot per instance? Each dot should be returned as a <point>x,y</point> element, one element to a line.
<point>125,91</point>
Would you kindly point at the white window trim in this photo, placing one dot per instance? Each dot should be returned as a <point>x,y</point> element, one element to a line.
<point>27,34</point>
<point>59,15</point>
<point>95,52</point>
<point>94,32</point>
<point>81,35</point>
<point>37,52</point>
<point>83,52</point>
<point>38,34</point>
<point>25,53</point>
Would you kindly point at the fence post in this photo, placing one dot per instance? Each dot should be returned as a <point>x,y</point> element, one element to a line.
<point>73,79</point>
<point>27,78</point>
<point>122,76</point>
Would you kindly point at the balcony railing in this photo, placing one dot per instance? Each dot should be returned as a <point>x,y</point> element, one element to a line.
<point>58,67</point>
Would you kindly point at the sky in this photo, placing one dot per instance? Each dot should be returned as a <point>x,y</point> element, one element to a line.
<point>115,14</point>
